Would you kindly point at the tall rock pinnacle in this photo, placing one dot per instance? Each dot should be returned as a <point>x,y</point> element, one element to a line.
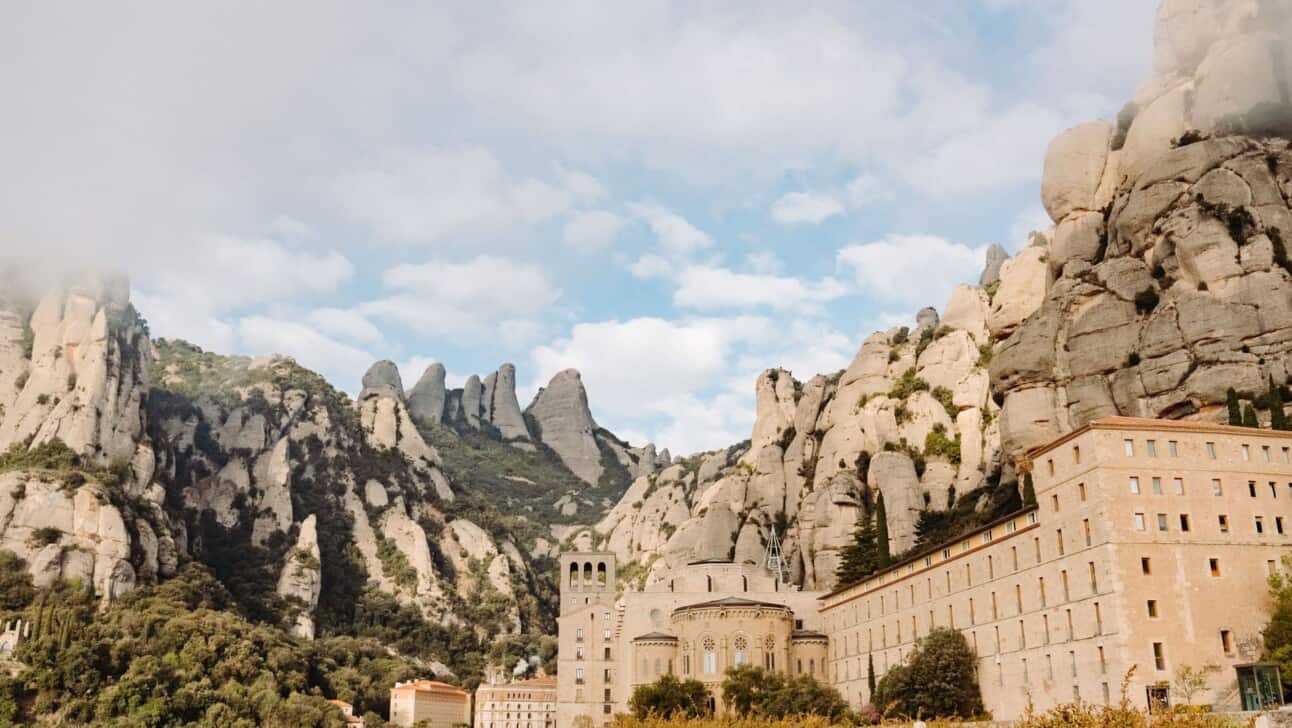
<point>565,424</point>
<point>504,409</point>
<point>426,399</point>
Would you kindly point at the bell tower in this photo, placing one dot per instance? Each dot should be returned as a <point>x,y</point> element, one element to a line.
<point>587,578</point>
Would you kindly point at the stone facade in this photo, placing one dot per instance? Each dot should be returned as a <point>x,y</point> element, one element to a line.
<point>440,704</point>
<point>523,704</point>
<point>1149,547</point>
<point>695,622</point>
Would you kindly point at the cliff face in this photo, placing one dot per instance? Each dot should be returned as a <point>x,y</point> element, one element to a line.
<point>1164,282</point>
<point>124,457</point>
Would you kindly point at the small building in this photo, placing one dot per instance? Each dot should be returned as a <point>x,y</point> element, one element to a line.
<point>347,710</point>
<point>443,705</point>
<point>523,704</point>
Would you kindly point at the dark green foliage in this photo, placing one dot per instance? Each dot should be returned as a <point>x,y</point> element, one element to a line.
<point>937,444</point>
<point>870,675</point>
<point>907,384</point>
<point>1274,400</point>
<point>937,680</point>
<point>45,536</point>
<point>1132,359</point>
<point>902,336</point>
<point>1029,491</point>
<point>1234,406</point>
<point>946,398</point>
<point>753,691</point>
<point>984,356</point>
<point>16,590</point>
<point>787,436</point>
<point>668,697</point>
<point>1276,637</point>
<point>1249,416</point>
<point>860,558</point>
<point>1237,220</point>
<point>179,653</point>
<point>1190,136</point>
<point>885,557</point>
<point>1146,300</point>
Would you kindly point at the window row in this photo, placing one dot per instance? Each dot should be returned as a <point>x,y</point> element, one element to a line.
<point>1222,522</point>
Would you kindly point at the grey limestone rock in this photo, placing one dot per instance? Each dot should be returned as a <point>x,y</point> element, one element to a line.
<point>996,257</point>
<point>565,424</point>
<point>426,399</point>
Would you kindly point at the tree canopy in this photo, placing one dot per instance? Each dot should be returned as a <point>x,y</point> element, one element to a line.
<point>669,697</point>
<point>937,680</point>
<point>753,691</point>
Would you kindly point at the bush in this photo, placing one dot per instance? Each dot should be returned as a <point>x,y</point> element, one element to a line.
<point>1146,300</point>
<point>946,398</point>
<point>753,691</point>
<point>907,384</point>
<point>46,536</point>
<point>669,697</point>
<point>937,680</point>
<point>937,444</point>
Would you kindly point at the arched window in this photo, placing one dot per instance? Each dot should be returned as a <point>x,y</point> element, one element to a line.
<point>710,656</point>
<point>645,667</point>
<point>769,653</point>
<point>601,574</point>
<point>656,665</point>
<point>574,576</point>
<point>812,667</point>
<point>744,583</point>
<point>742,650</point>
<point>587,573</point>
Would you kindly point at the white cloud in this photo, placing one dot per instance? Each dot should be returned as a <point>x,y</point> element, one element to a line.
<point>651,266</point>
<point>479,298</point>
<point>707,287</point>
<point>591,230</point>
<point>865,189</point>
<point>672,231</point>
<point>344,323</point>
<point>1032,219</point>
<point>917,270</point>
<point>808,207</point>
<point>423,196</point>
<point>764,262</point>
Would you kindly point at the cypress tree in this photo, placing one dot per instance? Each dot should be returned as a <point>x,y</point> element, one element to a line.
<point>1278,418</point>
<point>1249,416</point>
<point>1029,491</point>
<point>870,675</point>
<point>1235,410</point>
<point>881,533</point>
<point>860,558</point>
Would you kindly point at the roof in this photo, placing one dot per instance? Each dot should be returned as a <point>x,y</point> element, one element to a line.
<point>656,636</point>
<point>432,685</point>
<point>710,561</point>
<point>807,634</point>
<point>731,602</point>
<point>341,703</point>
<point>544,682</point>
<point>1151,424</point>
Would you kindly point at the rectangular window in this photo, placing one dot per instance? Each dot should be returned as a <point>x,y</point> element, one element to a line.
<point>1013,550</point>
<point>993,607</point>
<point>1081,491</point>
<point>1022,637</point>
<point>1018,597</point>
<point>578,652</point>
<point>1278,524</point>
<point>1041,585</point>
<point>1157,486</point>
<point>1227,641</point>
<point>1045,623</point>
<point>1271,567</point>
<point>1174,448</point>
<point>1058,539</point>
<point>1184,521</point>
<point>1085,526</point>
<point>1129,446</point>
<point>1274,490</point>
<point>1031,518</point>
<point>1139,521</point>
<point>1287,457</point>
<point>1076,454</point>
<point>1049,463</point>
<point>1099,620</point>
<point>1178,484</point>
<point>1152,608</point>
<point>578,634</point>
<point>1216,488</point>
<point>1159,656</point>
<point>578,676</point>
<point>1054,499</point>
<point>1260,525</point>
<point>1063,578</point>
<point>1037,543</point>
<point>1224,523</point>
<point>1145,565</point>
<point>991,568</point>
<point>1211,451</point>
<point>1247,453</point>
<point>1151,448</point>
<point>986,536</point>
<point>946,553</point>
<point>1072,635</point>
<point>1134,485</point>
<point>1161,521</point>
<point>1265,451</point>
<point>1094,579</point>
<point>1251,488</point>
<point>1214,566</point>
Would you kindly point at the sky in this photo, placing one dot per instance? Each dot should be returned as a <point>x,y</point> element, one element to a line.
<point>668,196</point>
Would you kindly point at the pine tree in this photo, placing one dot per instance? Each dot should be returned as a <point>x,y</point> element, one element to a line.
<point>1029,491</point>
<point>1249,416</point>
<point>860,558</point>
<point>1278,418</point>
<point>881,533</point>
<point>1235,410</point>
<point>870,674</point>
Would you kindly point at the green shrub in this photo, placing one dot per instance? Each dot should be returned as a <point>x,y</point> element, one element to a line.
<point>938,679</point>
<point>984,356</point>
<point>753,691</point>
<point>45,536</point>
<point>1146,300</point>
<point>946,398</point>
<point>907,384</point>
<point>937,444</point>
<point>669,697</point>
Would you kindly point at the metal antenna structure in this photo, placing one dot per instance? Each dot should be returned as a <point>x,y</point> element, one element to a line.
<point>775,560</point>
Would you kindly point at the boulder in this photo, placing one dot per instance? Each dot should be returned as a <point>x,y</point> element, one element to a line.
<point>472,395</point>
<point>1028,419</point>
<point>564,423</point>
<point>426,400</point>
<point>504,410</point>
<point>1238,76</point>
<point>382,379</point>
<point>1074,164</point>
<point>1080,236</point>
<point>996,257</point>
<point>967,310</point>
<point>1023,282</point>
<point>300,580</point>
<point>893,473</point>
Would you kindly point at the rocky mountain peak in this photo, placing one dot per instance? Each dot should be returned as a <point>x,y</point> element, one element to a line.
<point>426,399</point>
<point>564,423</point>
<point>382,380</point>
